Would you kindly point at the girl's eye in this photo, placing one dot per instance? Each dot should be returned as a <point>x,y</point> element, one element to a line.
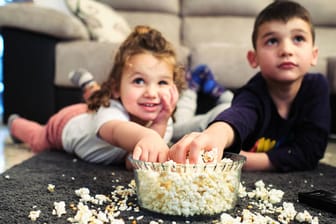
<point>271,41</point>
<point>163,82</point>
<point>138,81</point>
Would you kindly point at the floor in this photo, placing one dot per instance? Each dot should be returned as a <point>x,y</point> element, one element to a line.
<point>11,154</point>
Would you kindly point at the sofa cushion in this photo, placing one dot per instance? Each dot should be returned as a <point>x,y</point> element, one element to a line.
<point>228,63</point>
<point>168,24</point>
<point>220,7</point>
<point>325,41</point>
<point>59,5</point>
<point>102,22</point>
<point>209,29</point>
<point>28,16</point>
<point>171,6</point>
<point>96,57</point>
<point>322,11</point>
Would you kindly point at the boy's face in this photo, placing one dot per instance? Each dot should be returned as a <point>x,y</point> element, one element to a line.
<point>284,51</point>
<point>145,80</point>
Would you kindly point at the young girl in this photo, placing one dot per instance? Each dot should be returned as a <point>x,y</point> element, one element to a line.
<point>129,114</point>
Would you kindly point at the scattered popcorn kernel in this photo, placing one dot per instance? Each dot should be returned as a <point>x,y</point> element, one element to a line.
<point>51,188</point>
<point>33,215</point>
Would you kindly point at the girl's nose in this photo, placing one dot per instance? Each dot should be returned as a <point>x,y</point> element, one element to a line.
<point>151,91</point>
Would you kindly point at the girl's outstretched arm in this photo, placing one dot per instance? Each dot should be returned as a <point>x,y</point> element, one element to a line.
<point>144,143</point>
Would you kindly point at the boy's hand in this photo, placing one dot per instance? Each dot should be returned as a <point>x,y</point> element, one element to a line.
<point>219,135</point>
<point>190,147</point>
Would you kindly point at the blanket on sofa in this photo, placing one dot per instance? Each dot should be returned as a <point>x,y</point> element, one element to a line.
<point>24,188</point>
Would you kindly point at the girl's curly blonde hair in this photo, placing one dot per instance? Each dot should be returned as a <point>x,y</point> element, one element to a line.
<point>143,39</point>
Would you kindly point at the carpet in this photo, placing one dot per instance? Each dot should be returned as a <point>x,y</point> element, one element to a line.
<point>23,188</point>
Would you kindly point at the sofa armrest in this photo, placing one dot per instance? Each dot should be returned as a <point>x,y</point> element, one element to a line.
<point>43,20</point>
<point>331,73</point>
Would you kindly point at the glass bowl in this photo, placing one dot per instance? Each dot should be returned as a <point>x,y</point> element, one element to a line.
<point>188,189</point>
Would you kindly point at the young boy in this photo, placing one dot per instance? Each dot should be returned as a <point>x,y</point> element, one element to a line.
<point>280,119</point>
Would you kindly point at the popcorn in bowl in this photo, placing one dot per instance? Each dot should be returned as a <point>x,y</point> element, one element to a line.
<point>188,189</point>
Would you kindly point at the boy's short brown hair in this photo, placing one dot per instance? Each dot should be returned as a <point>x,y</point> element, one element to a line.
<point>281,11</point>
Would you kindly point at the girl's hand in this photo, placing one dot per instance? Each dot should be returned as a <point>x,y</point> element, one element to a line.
<point>151,148</point>
<point>168,100</point>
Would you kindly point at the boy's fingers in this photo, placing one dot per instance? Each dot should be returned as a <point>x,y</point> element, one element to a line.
<point>163,157</point>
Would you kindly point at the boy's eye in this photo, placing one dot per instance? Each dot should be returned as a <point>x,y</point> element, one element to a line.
<point>271,41</point>
<point>138,81</point>
<point>299,38</point>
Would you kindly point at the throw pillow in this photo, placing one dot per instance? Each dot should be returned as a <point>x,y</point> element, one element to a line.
<point>53,4</point>
<point>102,22</point>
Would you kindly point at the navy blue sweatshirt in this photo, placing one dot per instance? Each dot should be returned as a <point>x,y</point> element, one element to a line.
<point>295,143</point>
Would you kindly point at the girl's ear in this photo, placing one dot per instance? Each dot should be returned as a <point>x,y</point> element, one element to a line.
<point>251,58</point>
<point>115,91</point>
<point>315,56</point>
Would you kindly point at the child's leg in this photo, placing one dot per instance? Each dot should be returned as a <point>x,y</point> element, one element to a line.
<point>186,106</point>
<point>90,89</point>
<point>226,97</point>
<point>197,123</point>
<point>30,132</point>
<point>203,75</point>
<point>85,80</point>
<point>42,137</point>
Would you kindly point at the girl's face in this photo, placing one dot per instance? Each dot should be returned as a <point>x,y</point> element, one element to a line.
<point>284,51</point>
<point>145,80</point>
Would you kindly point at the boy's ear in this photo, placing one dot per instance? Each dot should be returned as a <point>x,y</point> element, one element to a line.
<point>315,56</point>
<point>251,57</point>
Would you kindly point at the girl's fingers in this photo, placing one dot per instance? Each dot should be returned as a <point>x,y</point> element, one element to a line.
<point>174,95</point>
<point>137,152</point>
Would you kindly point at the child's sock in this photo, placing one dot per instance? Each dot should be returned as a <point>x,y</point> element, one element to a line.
<point>11,118</point>
<point>211,86</point>
<point>81,78</point>
<point>196,77</point>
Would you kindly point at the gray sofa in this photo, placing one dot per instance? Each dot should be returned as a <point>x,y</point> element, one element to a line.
<point>43,44</point>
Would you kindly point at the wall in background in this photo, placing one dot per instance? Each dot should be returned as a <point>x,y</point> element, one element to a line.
<point>1,75</point>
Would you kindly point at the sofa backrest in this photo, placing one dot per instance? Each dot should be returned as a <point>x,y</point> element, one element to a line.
<point>218,33</point>
<point>323,13</point>
<point>162,15</point>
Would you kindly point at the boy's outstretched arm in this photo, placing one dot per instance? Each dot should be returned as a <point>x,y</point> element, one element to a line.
<point>218,135</point>
<point>256,161</point>
<point>144,143</point>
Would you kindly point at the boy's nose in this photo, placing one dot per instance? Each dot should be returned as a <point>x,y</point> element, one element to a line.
<point>286,48</point>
